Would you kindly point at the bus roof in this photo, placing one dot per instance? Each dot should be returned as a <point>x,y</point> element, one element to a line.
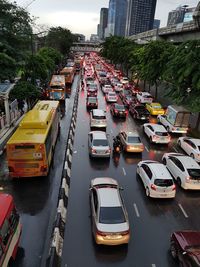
<point>6,204</point>
<point>57,80</point>
<point>35,124</point>
<point>67,70</point>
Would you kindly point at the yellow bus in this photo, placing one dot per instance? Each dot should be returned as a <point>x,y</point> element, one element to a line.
<point>30,149</point>
<point>57,89</point>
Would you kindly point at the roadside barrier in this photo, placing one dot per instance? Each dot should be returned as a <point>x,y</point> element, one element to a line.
<point>55,252</point>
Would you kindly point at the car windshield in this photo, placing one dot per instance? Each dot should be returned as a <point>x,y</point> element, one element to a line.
<point>156,107</point>
<point>147,96</point>
<point>111,94</point>
<point>161,133</point>
<point>140,108</point>
<point>111,215</point>
<point>92,100</point>
<point>133,139</point>
<point>92,85</point>
<point>194,173</point>
<point>120,107</point>
<point>99,117</point>
<point>163,182</point>
<point>100,142</point>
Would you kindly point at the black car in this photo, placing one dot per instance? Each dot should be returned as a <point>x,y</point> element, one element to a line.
<point>91,102</point>
<point>139,112</point>
<point>118,110</point>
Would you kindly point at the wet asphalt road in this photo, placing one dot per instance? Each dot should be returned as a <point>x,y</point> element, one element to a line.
<point>151,221</point>
<point>36,200</point>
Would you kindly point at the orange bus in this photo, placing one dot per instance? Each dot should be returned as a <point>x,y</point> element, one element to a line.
<point>10,230</point>
<point>69,73</point>
<point>30,149</point>
<point>57,89</point>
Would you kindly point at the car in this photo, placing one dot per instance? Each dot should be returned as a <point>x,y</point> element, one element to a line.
<point>191,146</point>
<point>110,224</point>
<point>98,144</point>
<point>144,97</point>
<point>92,90</point>
<point>184,247</point>
<point>118,87</point>
<point>106,88</point>
<point>156,133</point>
<point>155,109</point>
<point>91,102</point>
<point>135,89</point>
<point>127,99</point>
<point>131,142</point>
<point>124,80</point>
<point>139,112</point>
<point>98,118</point>
<point>184,169</point>
<point>157,180</point>
<point>111,97</point>
<point>118,110</point>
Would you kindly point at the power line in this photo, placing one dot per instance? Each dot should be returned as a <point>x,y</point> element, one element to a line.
<point>28,4</point>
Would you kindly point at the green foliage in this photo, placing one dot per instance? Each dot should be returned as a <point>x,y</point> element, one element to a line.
<point>7,66</point>
<point>24,90</point>
<point>48,52</point>
<point>60,39</point>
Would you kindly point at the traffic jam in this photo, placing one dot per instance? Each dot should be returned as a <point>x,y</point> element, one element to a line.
<point>149,137</point>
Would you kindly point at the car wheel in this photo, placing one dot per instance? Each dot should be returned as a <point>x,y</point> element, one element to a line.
<point>179,181</point>
<point>192,155</point>
<point>147,192</point>
<point>151,140</point>
<point>164,161</point>
<point>173,250</point>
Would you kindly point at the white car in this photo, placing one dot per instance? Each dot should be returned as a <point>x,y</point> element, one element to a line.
<point>98,118</point>
<point>124,80</point>
<point>184,169</point>
<point>111,97</point>
<point>157,180</point>
<point>98,144</point>
<point>144,97</point>
<point>110,225</point>
<point>156,133</point>
<point>191,146</point>
<point>118,87</point>
<point>107,88</point>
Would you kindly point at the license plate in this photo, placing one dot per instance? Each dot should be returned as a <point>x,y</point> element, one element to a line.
<point>113,236</point>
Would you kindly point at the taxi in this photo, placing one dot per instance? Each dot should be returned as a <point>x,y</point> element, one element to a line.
<point>155,109</point>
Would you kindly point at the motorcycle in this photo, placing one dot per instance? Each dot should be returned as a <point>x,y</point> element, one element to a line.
<point>116,145</point>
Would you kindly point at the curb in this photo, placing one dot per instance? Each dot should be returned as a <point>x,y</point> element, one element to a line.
<point>57,240</point>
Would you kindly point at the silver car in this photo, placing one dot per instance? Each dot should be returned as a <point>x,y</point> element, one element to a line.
<point>110,225</point>
<point>98,144</point>
<point>98,118</point>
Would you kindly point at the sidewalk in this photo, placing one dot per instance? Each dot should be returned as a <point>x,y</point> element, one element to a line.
<point>6,134</point>
<point>165,101</point>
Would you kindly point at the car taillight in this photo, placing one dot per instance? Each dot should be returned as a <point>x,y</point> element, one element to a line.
<point>116,110</point>
<point>153,187</point>
<point>101,233</point>
<point>43,168</point>
<point>155,137</point>
<point>173,187</point>
<point>125,232</point>
<point>126,112</point>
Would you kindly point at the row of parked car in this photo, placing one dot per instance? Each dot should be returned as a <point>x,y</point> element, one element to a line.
<point>110,224</point>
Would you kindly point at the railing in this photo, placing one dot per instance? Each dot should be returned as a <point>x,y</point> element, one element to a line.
<point>14,115</point>
<point>2,122</point>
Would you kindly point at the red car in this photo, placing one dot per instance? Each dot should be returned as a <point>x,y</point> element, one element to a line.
<point>185,247</point>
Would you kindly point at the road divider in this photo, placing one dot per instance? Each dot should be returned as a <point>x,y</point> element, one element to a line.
<point>55,251</point>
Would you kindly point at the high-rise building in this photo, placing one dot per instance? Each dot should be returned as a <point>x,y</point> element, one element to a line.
<point>98,30</point>
<point>140,16</point>
<point>103,22</point>
<point>117,17</point>
<point>156,23</point>
<point>179,15</point>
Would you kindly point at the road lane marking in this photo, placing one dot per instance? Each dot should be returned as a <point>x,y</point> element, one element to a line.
<point>136,210</point>
<point>153,265</point>
<point>175,149</point>
<point>124,172</point>
<point>147,149</point>
<point>111,131</point>
<point>183,211</point>
<point>75,152</point>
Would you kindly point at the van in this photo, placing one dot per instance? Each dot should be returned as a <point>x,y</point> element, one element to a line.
<point>98,118</point>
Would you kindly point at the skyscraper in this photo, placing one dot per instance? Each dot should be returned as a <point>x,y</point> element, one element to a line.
<point>103,22</point>
<point>117,17</point>
<point>140,16</point>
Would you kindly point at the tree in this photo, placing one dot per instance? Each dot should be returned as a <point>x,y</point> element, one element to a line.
<point>24,90</point>
<point>60,39</point>
<point>7,66</point>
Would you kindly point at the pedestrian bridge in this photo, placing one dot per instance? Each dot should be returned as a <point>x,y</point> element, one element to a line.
<point>86,47</point>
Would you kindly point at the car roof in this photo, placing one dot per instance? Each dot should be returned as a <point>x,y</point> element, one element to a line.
<point>132,133</point>
<point>187,161</point>
<point>99,135</point>
<point>109,197</point>
<point>98,112</point>
<point>196,141</point>
<point>157,127</point>
<point>155,104</point>
<point>159,170</point>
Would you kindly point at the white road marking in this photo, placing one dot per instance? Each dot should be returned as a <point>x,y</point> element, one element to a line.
<point>136,210</point>
<point>124,172</point>
<point>111,131</point>
<point>146,149</point>
<point>175,149</point>
<point>75,152</point>
<point>153,265</point>
<point>183,211</point>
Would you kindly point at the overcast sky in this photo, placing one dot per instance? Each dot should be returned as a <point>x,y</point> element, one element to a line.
<point>82,16</point>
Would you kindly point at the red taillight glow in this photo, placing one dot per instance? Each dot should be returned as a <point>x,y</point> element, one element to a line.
<point>101,233</point>
<point>11,169</point>
<point>173,187</point>
<point>94,151</point>
<point>153,187</point>
<point>43,168</point>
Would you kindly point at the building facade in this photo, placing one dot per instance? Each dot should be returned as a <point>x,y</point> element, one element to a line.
<point>117,17</point>
<point>156,24</point>
<point>179,15</point>
<point>140,16</point>
<point>103,22</point>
